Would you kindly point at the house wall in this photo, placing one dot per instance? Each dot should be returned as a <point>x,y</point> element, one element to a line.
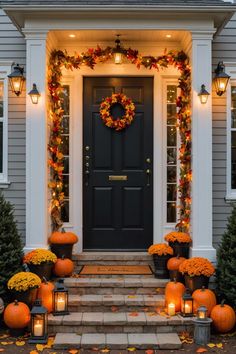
<point>224,48</point>
<point>13,48</point>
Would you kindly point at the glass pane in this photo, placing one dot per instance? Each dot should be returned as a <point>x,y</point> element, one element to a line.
<point>233,160</point>
<point>65,211</point>
<point>171,174</point>
<point>171,156</point>
<point>65,125</point>
<point>171,114</point>
<point>171,93</point>
<point>66,165</point>
<point>1,98</point>
<point>171,212</point>
<point>65,99</point>
<point>65,145</point>
<point>233,106</point>
<point>171,136</point>
<point>1,147</point>
<point>66,185</point>
<point>171,192</point>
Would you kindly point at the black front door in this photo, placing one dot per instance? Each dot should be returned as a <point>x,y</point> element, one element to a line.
<point>117,168</point>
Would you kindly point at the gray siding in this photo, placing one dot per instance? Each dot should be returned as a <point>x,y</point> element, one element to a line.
<point>12,47</point>
<point>224,48</point>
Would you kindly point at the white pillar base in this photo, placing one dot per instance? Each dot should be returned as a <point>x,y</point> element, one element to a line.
<point>209,253</point>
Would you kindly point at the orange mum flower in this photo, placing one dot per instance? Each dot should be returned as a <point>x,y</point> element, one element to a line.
<point>197,266</point>
<point>178,236</point>
<point>160,249</point>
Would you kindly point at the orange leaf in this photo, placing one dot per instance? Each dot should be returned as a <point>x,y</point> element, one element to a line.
<point>34,352</point>
<point>158,290</point>
<point>201,350</point>
<point>2,350</point>
<point>73,351</point>
<point>40,347</point>
<point>4,336</point>
<point>105,350</point>
<point>6,343</point>
<point>133,314</point>
<point>114,309</point>
<point>149,351</point>
<point>20,343</point>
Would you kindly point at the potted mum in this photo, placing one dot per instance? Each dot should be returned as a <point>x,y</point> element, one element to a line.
<point>62,242</point>
<point>161,253</point>
<point>40,262</point>
<point>180,242</point>
<point>23,286</point>
<point>197,272</point>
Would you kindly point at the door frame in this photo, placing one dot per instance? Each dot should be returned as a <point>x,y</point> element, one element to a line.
<point>75,81</point>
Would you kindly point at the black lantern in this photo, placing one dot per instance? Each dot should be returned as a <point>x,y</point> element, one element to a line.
<point>221,79</point>
<point>39,324</point>
<point>17,79</point>
<point>60,299</point>
<point>203,94</point>
<point>118,51</point>
<point>202,313</point>
<point>34,94</point>
<point>187,304</point>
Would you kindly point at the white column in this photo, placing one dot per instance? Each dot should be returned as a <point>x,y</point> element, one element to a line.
<point>36,145</point>
<point>201,219</point>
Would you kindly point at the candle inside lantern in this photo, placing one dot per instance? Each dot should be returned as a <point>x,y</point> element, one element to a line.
<point>171,309</point>
<point>202,314</point>
<point>38,328</point>
<point>61,304</point>
<point>187,308</point>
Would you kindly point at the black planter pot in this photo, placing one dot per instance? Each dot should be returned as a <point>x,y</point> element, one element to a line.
<point>43,270</point>
<point>28,297</point>
<point>180,248</point>
<point>175,274</point>
<point>160,266</point>
<point>61,250</point>
<point>197,282</point>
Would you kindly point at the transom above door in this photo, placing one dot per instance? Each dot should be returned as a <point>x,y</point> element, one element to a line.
<point>117,167</point>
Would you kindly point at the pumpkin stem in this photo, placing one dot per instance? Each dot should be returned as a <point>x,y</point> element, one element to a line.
<point>222,303</point>
<point>63,230</point>
<point>174,279</point>
<point>16,302</point>
<point>177,256</point>
<point>63,256</point>
<point>45,280</point>
<point>203,288</point>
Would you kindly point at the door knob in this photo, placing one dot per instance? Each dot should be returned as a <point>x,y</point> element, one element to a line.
<point>87,148</point>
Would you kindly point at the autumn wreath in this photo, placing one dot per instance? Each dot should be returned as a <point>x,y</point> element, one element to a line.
<point>105,111</point>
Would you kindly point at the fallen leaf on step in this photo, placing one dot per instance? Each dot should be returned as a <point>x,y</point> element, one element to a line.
<point>20,343</point>
<point>34,352</point>
<point>219,345</point>
<point>158,290</point>
<point>149,351</point>
<point>95,349</point>
<point>7,343</point>
<point>152,314</point>
<point>114,309</point>
<point>40,347</point>
<point>73,351</point>
<point>131,349</point>
<point>49,343</point>
<point>131,296</point>
<point>133,314</point>
<point>211,345</point>
<point>2,350</point>
<point>201,350</point>
<point>105,350</point>
<point>4,336</point>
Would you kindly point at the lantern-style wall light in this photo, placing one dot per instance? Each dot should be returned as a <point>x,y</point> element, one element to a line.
<point>17,79</point>
<point>203,95</point>
<point>221,79</point>
<point>39,324</point>
<point>34,94</point>
<point>60,299</point>
<point>187,304</point>
<point>118,51</point>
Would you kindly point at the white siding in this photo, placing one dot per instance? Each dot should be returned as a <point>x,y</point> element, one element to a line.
<point>12,47</point>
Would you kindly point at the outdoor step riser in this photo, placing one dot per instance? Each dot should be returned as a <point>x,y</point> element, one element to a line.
<point>80,329</point>
<point>79,263</point>
<point>111,276</point>
<point>124,308</point>
<point>115,290</point>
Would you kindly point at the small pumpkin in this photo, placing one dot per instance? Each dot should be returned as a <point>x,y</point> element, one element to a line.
<point>45,293</point>
<point>63,237</point>
<point>63,267</point>
<point>173,294</point>
<point>204,297</point>
<point>174,262</point>
<point>17,315</point>
<point>223,317</point>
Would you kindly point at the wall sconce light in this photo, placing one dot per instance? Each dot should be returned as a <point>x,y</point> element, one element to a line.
<point>221,79</point>
<point>17,79</point>
<point>187,304</point>
<point>60,299</point>
<point>203,95</point>
<point>34,94</point>
<point>118,51</point>
<point>39,324</point>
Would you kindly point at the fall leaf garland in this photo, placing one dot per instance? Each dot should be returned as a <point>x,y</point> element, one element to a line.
<point>60,59</point>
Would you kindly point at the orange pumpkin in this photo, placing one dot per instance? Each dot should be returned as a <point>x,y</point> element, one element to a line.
<point>174,262</point>
<point>63,267</point>
<point>45,293</point>
<point>173,294</point>
<point>17,315</point>
<point>223,317</point>
<point>204,297</point>
<point>63,237</point>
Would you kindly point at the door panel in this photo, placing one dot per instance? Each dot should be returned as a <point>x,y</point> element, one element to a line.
<point>118,214</point>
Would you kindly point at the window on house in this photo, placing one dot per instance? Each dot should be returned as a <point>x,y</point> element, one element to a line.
<point>171,154</point>
<point>66,151</point>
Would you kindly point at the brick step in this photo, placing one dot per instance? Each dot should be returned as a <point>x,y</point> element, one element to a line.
<point>120,286</point>
<point>113,258</point>
<point>105,303</point>
<point>118,322</point>
<point>118,341</point>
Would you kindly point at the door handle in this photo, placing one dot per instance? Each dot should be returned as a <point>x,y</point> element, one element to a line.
<point>148,172</point>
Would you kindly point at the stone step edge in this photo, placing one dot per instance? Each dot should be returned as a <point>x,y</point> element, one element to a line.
<point>115,283</point>
<point>169,341</point>
<point>116,300</point>
<point>112,256</point>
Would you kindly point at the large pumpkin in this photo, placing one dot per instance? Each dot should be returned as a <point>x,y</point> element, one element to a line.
<point>17,315</point>
<point>63,237</point>
<point>45,293</point>
<point>204,297</point>
<point>174,262</point>
<point>173,294</point>
<point>63,267</point>
<point>223,317</point>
